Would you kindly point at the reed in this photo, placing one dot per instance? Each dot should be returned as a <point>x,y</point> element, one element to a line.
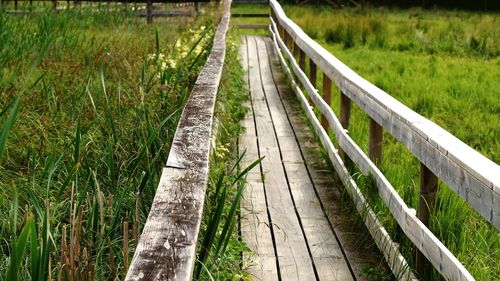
<point>87,121</point>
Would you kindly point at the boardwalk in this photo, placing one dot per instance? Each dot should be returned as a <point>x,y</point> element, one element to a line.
<point>284,217</point>
<point>294,216</point>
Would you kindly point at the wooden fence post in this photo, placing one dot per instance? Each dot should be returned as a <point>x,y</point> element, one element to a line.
<point>345,116</point>
<point>327,97</point>
<point>313,71</point>
<point>427,198</point>
<point>15,4</point>
<point>281,31</point>
<point>296,50</point>
<point>149,11</point>
<point>54,5</point>
<point>197,9</point>
<point>375,139</point>
<point>302,58</point>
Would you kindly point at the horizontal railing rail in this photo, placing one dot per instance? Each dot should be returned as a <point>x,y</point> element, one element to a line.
<point>167,246</point>
<point>471,175</point>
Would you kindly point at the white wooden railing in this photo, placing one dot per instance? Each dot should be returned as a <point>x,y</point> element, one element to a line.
<point>167,246</point>
<point>471,175</point>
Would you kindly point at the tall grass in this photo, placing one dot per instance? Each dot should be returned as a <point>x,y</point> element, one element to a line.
<point>90,102</point>
<point>449,32</point>
<point>443,65</point>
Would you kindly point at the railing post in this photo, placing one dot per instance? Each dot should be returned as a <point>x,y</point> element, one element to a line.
<point>375,142</point>
<point>427,198</point>
<point>312,72</point>
<point>327,97</point>
<point>345,115</point>
<point>285,39</point>
<point>54,5</point>
<point>312,76</point>
<point>302,59</point>
<point>296,50</point>
<point>149,11</point>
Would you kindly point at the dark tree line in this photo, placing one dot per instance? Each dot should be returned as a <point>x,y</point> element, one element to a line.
<point>485,5</point>
<point>475,5</point>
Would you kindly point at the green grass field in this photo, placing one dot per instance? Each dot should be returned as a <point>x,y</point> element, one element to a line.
<point>444,65</point>
<point>90,101</point>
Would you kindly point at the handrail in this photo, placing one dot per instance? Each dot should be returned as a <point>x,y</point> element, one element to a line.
<point>389,248</point>
<point>167,246</point>
<point>474,177</point>
<point>467,172</point>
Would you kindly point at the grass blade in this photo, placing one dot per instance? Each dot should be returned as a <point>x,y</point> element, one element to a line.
<point>8,126</point>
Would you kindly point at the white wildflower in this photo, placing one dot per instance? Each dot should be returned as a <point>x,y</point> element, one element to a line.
<point>151,57</point>
<point>163,66</point>
<point>172,63</point>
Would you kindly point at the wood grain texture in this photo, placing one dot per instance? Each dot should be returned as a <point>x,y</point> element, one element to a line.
<point>470,174</point>
<point>291,248</point>
<point>166,249</point>
<point>322,244</point>
<point>390,250</point>
<point>327,97</point>
<point>255,225</point>
<point>442,259</point>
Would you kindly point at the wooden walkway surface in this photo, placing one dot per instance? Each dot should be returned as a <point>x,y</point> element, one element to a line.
<point>291,218</point>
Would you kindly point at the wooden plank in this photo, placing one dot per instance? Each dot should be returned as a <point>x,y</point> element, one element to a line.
<point>442,259</point>
<point>167,246</point>
<point>359,255</point>
<point>396,261</point>
<point>379,105</point>
<point>323,246</point>
<point>286,229</point>
<point>255,226</point>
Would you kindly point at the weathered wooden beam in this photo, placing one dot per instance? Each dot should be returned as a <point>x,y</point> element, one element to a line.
<point>327,97</point>
<point>375,139</point>
<point>167,246</point>
<point>427,198</point>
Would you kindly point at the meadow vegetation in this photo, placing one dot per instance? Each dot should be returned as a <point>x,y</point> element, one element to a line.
<point>443,65</point>
<point>89,104</point>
